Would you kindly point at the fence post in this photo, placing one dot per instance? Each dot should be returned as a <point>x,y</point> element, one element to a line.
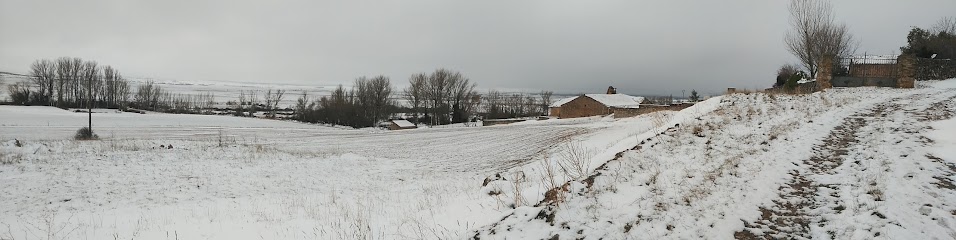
<point>906,65</point>
<point>825,72</point>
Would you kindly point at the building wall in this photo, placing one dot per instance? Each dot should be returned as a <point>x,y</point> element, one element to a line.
<point>582,107</point>
<point>554,111</point>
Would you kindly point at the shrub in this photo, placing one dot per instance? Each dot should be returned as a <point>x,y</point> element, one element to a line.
<point>19,93</point>
<point>784,74</point>
<point>85,133</point>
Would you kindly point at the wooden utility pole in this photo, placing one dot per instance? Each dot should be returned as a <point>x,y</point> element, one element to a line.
<point>89,104</point>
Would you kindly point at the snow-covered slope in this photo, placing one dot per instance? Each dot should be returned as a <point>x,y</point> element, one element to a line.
<point>857,163</point>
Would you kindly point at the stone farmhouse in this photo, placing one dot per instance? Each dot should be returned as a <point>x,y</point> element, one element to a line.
<point>595,104</point>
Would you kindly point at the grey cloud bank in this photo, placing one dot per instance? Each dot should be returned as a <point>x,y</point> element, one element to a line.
<point>641,47</point>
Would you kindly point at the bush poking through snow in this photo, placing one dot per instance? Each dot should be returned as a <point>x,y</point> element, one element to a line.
<point>575,160</point>
<point>8,158</point>
<point>85,134</point>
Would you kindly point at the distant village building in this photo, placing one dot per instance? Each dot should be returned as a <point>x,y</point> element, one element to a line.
<point>400,125</point>
<point>594,104</point>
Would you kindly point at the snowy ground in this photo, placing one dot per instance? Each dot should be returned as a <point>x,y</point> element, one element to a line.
<point>243,178</point>
<point>845,163</point>
<point>860,163</point>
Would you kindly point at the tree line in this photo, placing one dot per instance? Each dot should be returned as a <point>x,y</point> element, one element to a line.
<point>437,98</point>
<point>70,82</point>
<point>515,105</point>
<point>363,105</point>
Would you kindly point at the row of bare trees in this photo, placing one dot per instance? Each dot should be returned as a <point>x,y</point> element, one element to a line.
<point>436,98</point>
<point>249,103</point>
<point>441,97</point>
<point>496,104</point>
<point>72,82</point>
<point>365,104</point>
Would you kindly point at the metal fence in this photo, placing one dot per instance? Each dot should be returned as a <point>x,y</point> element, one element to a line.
<point>867,67</point>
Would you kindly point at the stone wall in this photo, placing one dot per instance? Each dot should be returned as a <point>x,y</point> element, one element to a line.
<point>825,74</point>
<point>905,74</point>
<point>907,69</point>
<point>647,108</point>
<point>935,69</point>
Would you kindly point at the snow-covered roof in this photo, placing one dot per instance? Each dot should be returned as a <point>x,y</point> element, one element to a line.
<point>610,100</point>
<point>403,123</point>
<point>562,101</point>
<point>617,100</point>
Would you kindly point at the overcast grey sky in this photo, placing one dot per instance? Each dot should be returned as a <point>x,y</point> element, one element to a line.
<point>641,47</point>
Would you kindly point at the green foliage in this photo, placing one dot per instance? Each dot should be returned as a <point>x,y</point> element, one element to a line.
<point>924,44</point>
<point>792,81</point>
<point>693,96</point>
<point>784,73</point>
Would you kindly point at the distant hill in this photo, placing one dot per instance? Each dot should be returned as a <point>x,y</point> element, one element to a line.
<point>14,74</point>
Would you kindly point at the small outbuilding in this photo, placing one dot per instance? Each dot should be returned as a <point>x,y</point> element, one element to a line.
<point>401,125</point>
<point>594,104</point>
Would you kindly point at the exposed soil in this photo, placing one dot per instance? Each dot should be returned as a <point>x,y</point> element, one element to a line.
<point>790,216</point>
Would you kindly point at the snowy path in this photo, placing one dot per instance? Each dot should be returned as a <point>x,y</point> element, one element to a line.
<point>841,190</point>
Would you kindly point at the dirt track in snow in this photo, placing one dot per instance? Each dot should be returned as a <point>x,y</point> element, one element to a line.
<point>806,205</point>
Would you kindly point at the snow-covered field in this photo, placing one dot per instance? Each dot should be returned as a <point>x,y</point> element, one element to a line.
<point>844,163</point>
<point>239,178</point>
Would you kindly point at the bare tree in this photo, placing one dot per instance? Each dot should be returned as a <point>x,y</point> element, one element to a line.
<point>148,95</point>
<point>272,99</point>
<point>493,104</point>
<point>76,67</point>
<point>44,76</point>
<point>814,34</point>
<point>380,93</point>
<point>242,102</point>
<point>437,90</point>
<point>115,89</point>
<point>531,106</point>
<point>303,108</point>
<point>545,102</point>
<point>415,93</point>
<point>63,78</point>
<point>276,98</point>
<point>462,92</point>
<point>253,99</point>
<point>947,25</point>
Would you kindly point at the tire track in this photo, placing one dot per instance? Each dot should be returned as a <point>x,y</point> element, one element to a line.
<point>803,202</point>
<point>799,205</point>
